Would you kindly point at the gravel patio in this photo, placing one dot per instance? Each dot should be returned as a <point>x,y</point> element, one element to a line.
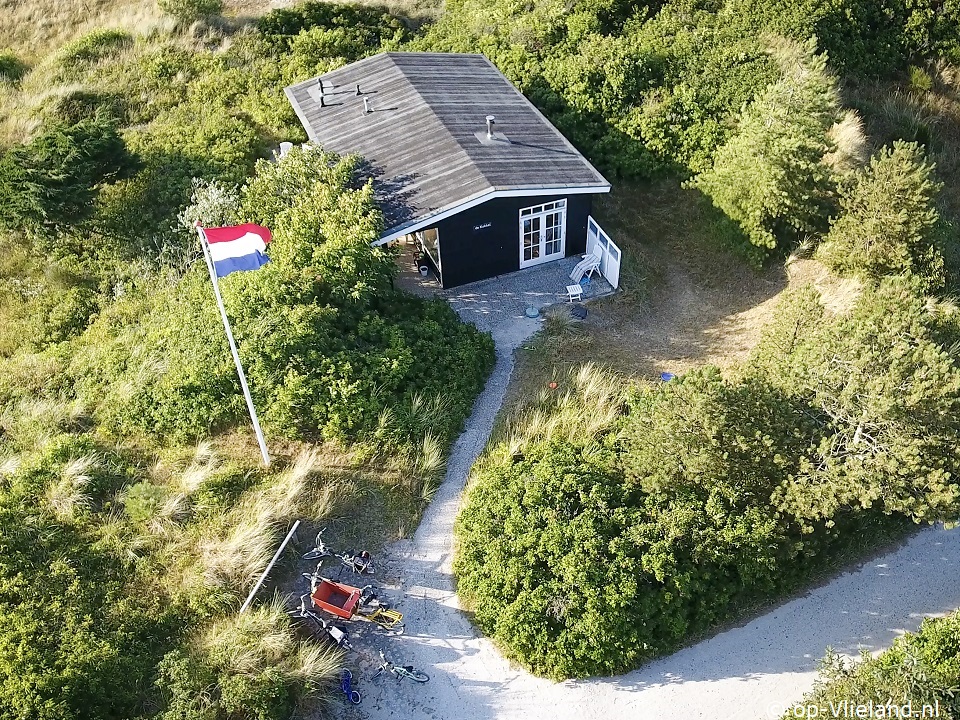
<point>496,304</point>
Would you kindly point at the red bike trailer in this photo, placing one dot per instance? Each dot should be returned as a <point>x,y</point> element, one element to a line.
<point>336,598</point>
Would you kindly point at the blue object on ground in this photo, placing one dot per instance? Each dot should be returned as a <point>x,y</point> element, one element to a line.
<point>585,281</point>
<point>667,377</point>
<point>532,312</point>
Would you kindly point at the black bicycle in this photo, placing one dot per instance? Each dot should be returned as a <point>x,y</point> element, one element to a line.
<point>359,562</point>
<point>335,634</point>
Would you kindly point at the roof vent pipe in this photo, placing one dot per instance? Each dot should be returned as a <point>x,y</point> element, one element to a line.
<point>490,123</point>
<point>358,89</point>
<point>366,105</point>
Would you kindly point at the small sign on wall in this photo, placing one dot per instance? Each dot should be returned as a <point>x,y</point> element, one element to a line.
<point>480,227</point>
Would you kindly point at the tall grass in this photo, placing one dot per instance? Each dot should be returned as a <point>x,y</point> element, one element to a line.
<point>586,401</point>
<point>67,494</point>
<point>247,535</point>
<point>246,644</point>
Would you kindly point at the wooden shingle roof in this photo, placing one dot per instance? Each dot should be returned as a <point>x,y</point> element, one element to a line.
<point>424,138</point>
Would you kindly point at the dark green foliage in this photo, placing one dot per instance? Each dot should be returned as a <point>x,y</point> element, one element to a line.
<point>190,10</point>
<point>922,668</point>
<point>11,67</point>
<point>331,30</point>
<point>889,223</point>
<point>868,37</point>
<point>54,179</point>
<point>588,558</point>
<point>883,386</point>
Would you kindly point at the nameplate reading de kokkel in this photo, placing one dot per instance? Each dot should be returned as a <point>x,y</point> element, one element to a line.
<point>482,226</point>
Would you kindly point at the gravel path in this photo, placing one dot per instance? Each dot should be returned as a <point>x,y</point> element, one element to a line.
<point>751,672</point>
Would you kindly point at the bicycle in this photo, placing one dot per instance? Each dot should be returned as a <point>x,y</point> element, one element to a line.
<point>387,619</point>
<point>320,549</point>
<point>337,635</point>
<point>401,671</point>
<point>346,685</point>
<point>361,563</point>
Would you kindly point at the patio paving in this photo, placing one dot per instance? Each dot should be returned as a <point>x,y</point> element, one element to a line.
<point>495,304</point>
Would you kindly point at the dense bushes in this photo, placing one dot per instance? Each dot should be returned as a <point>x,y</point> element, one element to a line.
<point>921,668</point>
<point>326,343</point>
<point>599,534</point>
<point>75,643</point>
<point>190,10</point>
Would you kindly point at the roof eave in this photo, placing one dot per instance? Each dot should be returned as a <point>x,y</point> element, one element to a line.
<point>398,231</point>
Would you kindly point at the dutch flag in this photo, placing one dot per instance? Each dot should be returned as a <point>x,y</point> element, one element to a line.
<point>240,247</point>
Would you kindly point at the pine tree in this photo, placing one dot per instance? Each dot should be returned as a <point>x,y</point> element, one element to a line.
<point>769,177</point>
<point>889,224</point>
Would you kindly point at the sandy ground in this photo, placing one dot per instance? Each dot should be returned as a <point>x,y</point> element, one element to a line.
<point>751,672</point>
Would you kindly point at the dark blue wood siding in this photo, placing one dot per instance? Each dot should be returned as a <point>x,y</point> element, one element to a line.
<point>484,241</point>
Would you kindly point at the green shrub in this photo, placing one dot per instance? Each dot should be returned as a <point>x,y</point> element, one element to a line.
<point>74,644</point>
<point>883,386</point>
<point>54,179</point>
<point>770,177</point>
<point>922,668</point>
<point>355,30</point>
<point>588,553</point>
<point>92,47</point>
<point>889,223</point>
<point>11,67</point>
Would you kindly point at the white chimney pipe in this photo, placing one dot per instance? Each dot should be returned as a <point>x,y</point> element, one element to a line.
<point>366,105</point>
<point>490,122</point>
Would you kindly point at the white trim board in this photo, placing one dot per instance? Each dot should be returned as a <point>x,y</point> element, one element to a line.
<point>480,199</point>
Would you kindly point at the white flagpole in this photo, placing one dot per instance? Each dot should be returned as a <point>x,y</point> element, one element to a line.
<point>233,347</point>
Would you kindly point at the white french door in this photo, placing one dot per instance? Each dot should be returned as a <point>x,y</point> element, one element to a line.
<point>543,230</point>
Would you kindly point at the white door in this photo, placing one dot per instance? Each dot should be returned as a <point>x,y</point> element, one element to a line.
<point>610,255</point>
<point>543,230</point>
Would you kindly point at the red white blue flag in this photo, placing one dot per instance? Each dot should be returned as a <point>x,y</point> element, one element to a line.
<point>240,247</point>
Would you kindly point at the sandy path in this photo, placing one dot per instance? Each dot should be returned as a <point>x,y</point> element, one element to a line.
<point>750,672</point>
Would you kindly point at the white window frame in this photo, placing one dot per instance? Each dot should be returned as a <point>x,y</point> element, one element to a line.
<point>542,211</point>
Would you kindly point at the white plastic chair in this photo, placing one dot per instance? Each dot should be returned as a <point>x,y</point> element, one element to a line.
<point>574,293</point>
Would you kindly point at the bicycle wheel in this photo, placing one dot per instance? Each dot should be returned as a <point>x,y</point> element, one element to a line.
<point>420,677</point>
<point>354,697</point>
<point>316,554</point>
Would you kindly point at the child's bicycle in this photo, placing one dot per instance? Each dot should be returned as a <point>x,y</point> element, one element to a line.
<point>400,671</point>
<point>346,685</point>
